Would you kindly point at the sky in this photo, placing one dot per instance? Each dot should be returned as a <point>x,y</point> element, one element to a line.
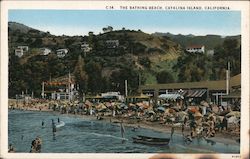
<point>80,22</point>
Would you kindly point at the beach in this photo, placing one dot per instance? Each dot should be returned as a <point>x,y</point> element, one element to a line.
<point>224,137</point>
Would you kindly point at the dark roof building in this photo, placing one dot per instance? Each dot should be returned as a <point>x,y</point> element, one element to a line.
<point>202,89</point>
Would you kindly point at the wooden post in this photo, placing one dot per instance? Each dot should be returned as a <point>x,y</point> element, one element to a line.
<point>126,88</point>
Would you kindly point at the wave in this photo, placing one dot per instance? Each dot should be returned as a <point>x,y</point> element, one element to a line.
<point>60,124</point>
<point>107,135</point>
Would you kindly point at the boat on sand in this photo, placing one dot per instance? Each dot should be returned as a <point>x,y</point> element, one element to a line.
<point>151,140</point>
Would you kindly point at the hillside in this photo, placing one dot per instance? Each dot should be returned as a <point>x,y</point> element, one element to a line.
<point>210,41</point>
<point>139,55</point>
<point>14,26</point>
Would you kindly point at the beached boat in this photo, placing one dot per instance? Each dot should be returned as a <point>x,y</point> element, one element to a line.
<point>150,140</point>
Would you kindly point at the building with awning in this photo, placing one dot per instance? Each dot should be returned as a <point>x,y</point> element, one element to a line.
<point>234,94</point>
<point>170,96</point>
<point>196,93</point>
<point>202,90</point>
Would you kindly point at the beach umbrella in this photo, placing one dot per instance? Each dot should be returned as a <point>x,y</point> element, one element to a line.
<point>225,112</point>
<point>150,112</point>
<point>192,110</point>
<point>215,109</point>
<point>175,108</point>
<point>197,115</point>
<point>145,106</point>
<point>233,119</point>
<point>234,113</point>
<point>165,105</point>
<point>182,114</point>
<point>123,106</point>
<point>169,111</point>
<point>139,104</point>
<point>161,109</point>
<point>204,103</point>
<point>205,124</point>
<point>101,106</point>
<point>219,118</point>
<point>102,110</point>
<point>133,106</point>
<point>108,104</point>
<point>88,103</point>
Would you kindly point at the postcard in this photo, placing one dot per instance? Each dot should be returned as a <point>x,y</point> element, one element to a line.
<point>127,79</point>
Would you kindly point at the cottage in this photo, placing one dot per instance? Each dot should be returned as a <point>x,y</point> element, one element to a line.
<point>108,29</point>
<point>24,48</point>
<point>196,49</point>
<point>45,51</point>
<point>112,43</point>
<point>20,50</point>
<point>62,52</point>
<point>85,47</point>
<point>210,52</point>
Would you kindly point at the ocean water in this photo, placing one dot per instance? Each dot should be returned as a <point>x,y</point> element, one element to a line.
<point>80,135</point>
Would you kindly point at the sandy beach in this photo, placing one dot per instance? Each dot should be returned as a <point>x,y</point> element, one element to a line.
<point>226,137</point>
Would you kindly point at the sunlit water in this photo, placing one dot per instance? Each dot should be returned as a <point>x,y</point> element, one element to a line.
<point>81,135</point>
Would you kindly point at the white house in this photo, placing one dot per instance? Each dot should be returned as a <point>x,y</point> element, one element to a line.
<point>45,51</point>
<point>108,29</point>
<point>61,52</point>
<point>20,50</point>
<point>112,43</point>
<point>210,52</point>
<point>24,48</point>
<point>85,47</point>
<point>196,49</point>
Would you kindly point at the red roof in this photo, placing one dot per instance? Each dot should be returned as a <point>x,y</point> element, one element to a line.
<point>194,46</point>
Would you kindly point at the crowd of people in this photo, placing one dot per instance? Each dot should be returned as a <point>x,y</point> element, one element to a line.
<point>194,120</point>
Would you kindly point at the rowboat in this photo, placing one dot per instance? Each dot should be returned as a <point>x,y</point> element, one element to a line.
<point>60,124</point>
<point>151,140</point>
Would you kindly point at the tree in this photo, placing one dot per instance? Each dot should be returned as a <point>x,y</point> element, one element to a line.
<point>193,67</point>
<point>37,43</point>
<point>95,82</point>
<point>229,51</point>
<point>81,76</point>
<point>145,61</point>
<point>164,77</point>
<point>118,78</point>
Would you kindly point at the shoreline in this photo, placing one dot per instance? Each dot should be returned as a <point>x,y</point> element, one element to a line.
<point>221,137</point>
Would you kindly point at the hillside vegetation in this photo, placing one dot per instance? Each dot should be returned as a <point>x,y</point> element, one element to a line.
<point>139,57</point>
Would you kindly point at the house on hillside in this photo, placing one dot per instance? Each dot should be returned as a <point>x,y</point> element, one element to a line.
<point>24,48</point>
<point>45,51</point>
<point>112,43</point>
<point>108,29</point>
<point>62,52</point>
<point>21,50</point>
<point>196,49</point>
<point>85,47</point>
<point>210,52</point>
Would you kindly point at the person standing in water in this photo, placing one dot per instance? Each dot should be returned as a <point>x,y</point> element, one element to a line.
<point>43,123</point>
<point>182,129</point>
<point>122,129</point>
<point>172,131</point>
<point>53,127</point>
<point>58,120</point>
